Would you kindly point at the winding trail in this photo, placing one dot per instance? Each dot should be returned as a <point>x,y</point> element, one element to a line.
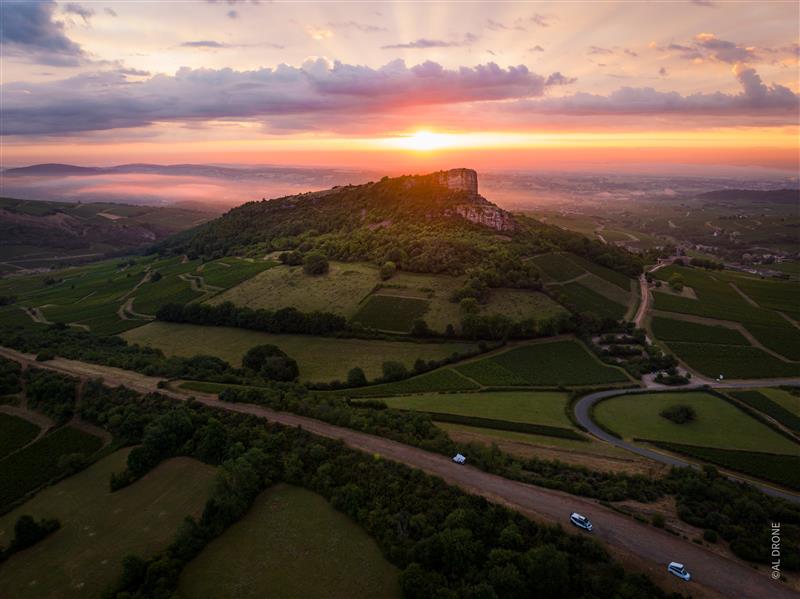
<point>643,547</point>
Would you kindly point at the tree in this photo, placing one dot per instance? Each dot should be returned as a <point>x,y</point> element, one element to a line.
<point>155,276</point>
<point>356,377</point>
<point>420,328</point>
<point>676,282</point>
<point>388,269</point>
<point>271,363</point>
<point>315,264</point>
<point>394,371</point>
<point>468,305</point>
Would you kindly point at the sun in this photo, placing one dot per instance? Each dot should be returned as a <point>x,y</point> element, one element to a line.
<point>425,141</point>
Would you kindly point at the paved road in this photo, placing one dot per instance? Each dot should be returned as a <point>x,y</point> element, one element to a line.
<point>584,406</point>
<point>650,548</point>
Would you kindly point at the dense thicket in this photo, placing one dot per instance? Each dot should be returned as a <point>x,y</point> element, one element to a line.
<point>448,544</point>
<point>9,377</point>
<point>284,320</point>
<point>51,393</point>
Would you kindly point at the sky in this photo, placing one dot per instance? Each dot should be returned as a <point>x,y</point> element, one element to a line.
<point>402,85</point>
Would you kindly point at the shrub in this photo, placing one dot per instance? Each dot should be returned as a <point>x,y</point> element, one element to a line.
<point>271,363</point>
<point>356,377</point>
<point>45,356</point>
<point>388,269</point>
<point>710,536</point>
<point>658,521</point>
<point>315,264</point>
<point>679,414</point>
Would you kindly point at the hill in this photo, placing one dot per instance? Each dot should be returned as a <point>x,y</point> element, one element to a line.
<point>435,223</point>
<point>35,234</point>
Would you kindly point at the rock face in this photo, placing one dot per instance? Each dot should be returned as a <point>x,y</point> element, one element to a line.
<point>460,179</point>
<point>477,209</point>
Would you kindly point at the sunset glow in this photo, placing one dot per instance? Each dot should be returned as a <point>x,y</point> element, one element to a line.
<point>324,83</point>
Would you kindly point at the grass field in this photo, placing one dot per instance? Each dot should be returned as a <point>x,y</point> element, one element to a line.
<point>552,363</point>
<point>99,528</point>
<point>339,291</point>
<point>517,406</point>
<point>390,312</point>
<point>718,423</point>
<point>732,361</point>
<point>15,433</point>
<point>669,329</point>
<point>291,544</point>
<point>612,276</point>
<point>320,358</point>
<point>38,463</point>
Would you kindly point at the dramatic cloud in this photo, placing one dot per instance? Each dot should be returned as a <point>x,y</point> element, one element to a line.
<point>756,99</point>
<point>77,9</point>
<point>110,11</point>
<point>317,90</point>
<point>536,48</point>
<point>423,43</point>
<point>27,29</point>
<point>540,20</point>
<point>707,46</point>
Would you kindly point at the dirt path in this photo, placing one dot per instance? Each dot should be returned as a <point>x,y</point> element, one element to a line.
<point>648,548</point>
<point>745,297</point>
<point>199,284</point>
<point>40,420</point>
<point>127,309</point>
<point>36,315</point>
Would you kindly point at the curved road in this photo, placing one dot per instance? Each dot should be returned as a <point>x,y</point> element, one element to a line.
<point>642,546</point>
<point>583,408</point>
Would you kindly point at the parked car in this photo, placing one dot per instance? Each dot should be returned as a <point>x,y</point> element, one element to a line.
<point>459,459</point>
<point>580,521</point>
<point>679,570</point>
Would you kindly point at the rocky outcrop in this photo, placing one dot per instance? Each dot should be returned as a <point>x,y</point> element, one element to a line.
<point>458,179</point>
<point>487,215</point>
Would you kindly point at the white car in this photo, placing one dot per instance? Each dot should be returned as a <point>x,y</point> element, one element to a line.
<point>459,459</point>
<point>679,570</point>
<point>580,521</point>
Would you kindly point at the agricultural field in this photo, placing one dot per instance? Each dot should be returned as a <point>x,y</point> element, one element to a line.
<point>321,359</point>
<point>230,271</point>
<point>15,433</point>
<point>563,362</point>
<point>584,299</point>
<point>781,469</point>
<point>732,361</point>
<point>764,404</point>
<point>612,276</point>
<point>443,379</point>
<point>99,528</point>
<point>291,543</point>
<point>38,463</point>
<point>93,296</point>
<point>390,312</point>
<point>784,398</point>
<point>356,291</point>
<point>534,407</point>
<point>670,329</point>
<point>558,266</point>
<point>718,423</point>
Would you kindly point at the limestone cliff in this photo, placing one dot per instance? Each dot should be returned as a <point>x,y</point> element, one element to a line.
<point>476,209</point>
